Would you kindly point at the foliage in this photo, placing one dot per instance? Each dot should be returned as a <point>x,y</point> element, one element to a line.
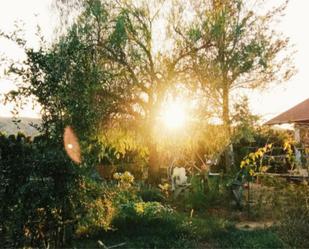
<point>245,51</point>
<point>245,130</point>
<point>66,81</point>
<point>204,192</point>
<point>124,179</point>
<point>141,223</point>
<point>105,74</point>
<point>253,162</point>
<point>233,238</point>
<point>294,216</point>
<point>285,203</point>
<point>49,199</point>
<point>103,67</point>
<point>107,65</point>
<point>153,194</point>
<point>100,209</point>
<point>280,158</point>
<point>124,150</point>
<point>172,230</point>
<point>249,167</point>
<point>244,123</point>
<point>195,198</point>
<point>142,211</point>
<point>43,192</point>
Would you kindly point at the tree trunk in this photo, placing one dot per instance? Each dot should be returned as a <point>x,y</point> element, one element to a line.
<point>153,162</point>
<point>153,171</point>
<point>228,153</point>
<point>226,112</point>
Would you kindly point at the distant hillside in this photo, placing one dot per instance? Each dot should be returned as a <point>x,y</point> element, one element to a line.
<point>8,127</point>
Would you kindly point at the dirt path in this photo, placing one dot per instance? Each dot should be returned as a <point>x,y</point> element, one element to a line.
<point>253,225</point>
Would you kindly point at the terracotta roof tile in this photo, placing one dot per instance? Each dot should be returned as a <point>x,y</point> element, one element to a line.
<point>298,113</point>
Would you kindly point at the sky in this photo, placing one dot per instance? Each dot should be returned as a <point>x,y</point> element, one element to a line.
<point>29,13</point>
<point>267,104</point>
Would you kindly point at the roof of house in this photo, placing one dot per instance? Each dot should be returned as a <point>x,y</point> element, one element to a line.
<point>298,113</point>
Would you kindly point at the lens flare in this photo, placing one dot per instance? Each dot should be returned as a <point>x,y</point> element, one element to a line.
<point>71,145</point>
<point>174,115</point>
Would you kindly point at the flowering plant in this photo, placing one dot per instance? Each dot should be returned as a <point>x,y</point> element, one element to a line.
<point>252,163</point>
<point>124,179</point>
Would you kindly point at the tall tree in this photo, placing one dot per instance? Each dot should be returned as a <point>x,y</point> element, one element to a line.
<point>149,74</point>
<point>72,80</point>
<point>246,51</point>
<point>106,64</point>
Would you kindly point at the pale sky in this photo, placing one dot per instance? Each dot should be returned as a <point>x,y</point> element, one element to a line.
<point>267,104</point>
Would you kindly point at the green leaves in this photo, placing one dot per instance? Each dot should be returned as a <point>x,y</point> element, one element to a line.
<point>119,36</point>
<point>244,47</point>
<point>40,189</point>
<point>194,34</point>
<point>252,163</point>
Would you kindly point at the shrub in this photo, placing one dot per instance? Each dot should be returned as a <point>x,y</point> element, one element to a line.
<point>42,192</point>
<point>287,204</point>
<point>125,179</point>
<point>205,192</point>
<point>100,214</point>
<point>260,136</point>
<point>160,227</point>
<point>196,197</point>
<point>150,193</point>
<point>106,199</point>
<point>150,225</point>
<point>294,216</point>
<point>145,210</point>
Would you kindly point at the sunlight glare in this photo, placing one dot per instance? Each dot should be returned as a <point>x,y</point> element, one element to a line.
<point>174,115</point>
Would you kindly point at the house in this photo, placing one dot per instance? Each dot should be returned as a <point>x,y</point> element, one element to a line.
<point>299,116</point>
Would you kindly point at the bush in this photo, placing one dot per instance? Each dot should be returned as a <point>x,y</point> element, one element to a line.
<point>294,217</point>
<point>143,210</point>
<point>150,193</point>
<point>260,136</point>
<point>105,204</point>
<point>149,225</point>
<point>42,192</point>
<point>204,192</point>
<point>153,225</point>
<point>287,204</point>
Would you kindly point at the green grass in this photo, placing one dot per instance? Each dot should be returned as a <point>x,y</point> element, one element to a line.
<point>174,231</point>
<point>158,233</point>
<point>182,232</point>
<point>261,238</point>
<point>177,230</point>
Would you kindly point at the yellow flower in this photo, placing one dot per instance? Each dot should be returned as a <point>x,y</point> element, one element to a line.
<point>127,177</point>
<point>251,172</point>
<point>164,187</point>
<point>116,176</point>
<point>139,207</point>
<point>242,164</point>
<point>264,169</point>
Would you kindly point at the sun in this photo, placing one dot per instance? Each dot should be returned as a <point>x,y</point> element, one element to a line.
<point>174,115</point>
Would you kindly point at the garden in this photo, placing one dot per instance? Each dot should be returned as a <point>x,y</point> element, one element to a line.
<point>140,143</point>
